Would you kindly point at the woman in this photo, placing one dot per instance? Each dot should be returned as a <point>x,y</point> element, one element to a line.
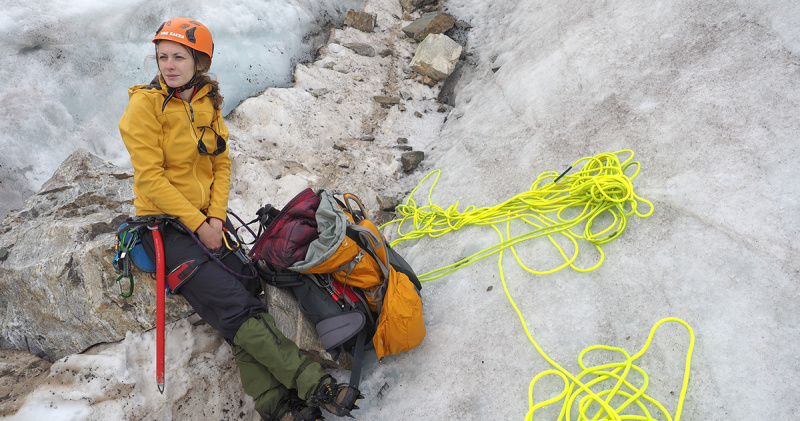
<point>176,137</point>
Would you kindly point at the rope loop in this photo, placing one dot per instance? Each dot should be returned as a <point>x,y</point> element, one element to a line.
<point>592,204</point>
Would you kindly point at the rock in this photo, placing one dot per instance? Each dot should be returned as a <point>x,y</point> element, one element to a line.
<point>386,52</point>
<point>403,147</point>
<point>447,94</point>
<point>58,290</point>
<point>21,373</point>
<point>411,160</point>
<point>402,140</point>
<point>405,96</point>
<point>428,81</point>
<point>386,100</point>
<point>362,21</point>
<point>282,305</point>
<point>367,138</point>
<point>412,5</point>
<point>429,23</point>
<point>436,57</point>
<point>361,48</point>
<point>388,203</point>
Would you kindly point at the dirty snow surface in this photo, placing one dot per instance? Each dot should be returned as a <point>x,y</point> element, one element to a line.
<point>705,93</point>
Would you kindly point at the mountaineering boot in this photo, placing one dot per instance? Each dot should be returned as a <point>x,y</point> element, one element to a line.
<point>338,399</point>
<point>293,409</point>
<point>299,411</point>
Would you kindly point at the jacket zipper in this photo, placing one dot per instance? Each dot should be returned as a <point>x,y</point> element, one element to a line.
<point>197,160</point>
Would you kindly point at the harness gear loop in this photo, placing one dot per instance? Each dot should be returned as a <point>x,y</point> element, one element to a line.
<point>126,241</point>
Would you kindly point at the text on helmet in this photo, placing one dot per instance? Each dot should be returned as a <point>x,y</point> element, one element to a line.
<point>173,34</point>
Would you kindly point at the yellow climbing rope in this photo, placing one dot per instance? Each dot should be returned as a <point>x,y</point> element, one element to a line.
<point>556,204</point>
<point>612,377</point>
<point>561,204</point>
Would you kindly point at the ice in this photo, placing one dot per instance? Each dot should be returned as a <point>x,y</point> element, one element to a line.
<point>68,65</point>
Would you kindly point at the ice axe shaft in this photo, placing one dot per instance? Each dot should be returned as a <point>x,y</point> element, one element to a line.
<point>160,304</point>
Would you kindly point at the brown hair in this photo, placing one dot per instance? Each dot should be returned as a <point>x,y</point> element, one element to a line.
<point>202,63</point>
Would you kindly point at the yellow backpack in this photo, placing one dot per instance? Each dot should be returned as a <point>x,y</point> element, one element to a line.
<point>343,243</point>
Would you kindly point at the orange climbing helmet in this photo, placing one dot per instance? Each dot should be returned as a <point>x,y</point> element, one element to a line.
<point>188,32</point>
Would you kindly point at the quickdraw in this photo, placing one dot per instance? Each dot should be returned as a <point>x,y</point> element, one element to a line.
<point>125,242</point>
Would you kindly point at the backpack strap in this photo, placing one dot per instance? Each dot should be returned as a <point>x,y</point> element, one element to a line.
<point>368,242</point>
<point>277,278</point>
<point>358,358</point>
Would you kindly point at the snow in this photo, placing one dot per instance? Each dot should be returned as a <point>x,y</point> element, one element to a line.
<point>68,66</point>
<point>706,94</point>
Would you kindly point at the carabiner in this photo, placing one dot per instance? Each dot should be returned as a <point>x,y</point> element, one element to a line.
<point>225,235</point>
<point>119,285</point>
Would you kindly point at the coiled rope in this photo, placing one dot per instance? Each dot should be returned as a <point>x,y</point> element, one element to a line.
<point>556,204</point>
<point>561,204</point>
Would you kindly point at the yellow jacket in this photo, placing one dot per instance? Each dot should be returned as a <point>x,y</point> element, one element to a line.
<point>170,175</point>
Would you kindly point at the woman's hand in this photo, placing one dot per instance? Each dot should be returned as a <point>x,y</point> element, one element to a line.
<point>210,234</point>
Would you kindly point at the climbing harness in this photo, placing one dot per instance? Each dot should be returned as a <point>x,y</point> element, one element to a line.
<point>562,204</point>
<point>129,249</point>
<point>556,204</point>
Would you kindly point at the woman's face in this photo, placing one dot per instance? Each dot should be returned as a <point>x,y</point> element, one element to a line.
<point>175,63</point>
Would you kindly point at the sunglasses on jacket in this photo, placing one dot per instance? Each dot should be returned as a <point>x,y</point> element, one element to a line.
<point>201,147</point>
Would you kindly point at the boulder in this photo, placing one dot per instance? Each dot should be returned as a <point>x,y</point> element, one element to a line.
<point>436,57</point>
<point>58,290</point>
<point>429,23</point>
<point>282,305</point>
<point>362,21</point>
